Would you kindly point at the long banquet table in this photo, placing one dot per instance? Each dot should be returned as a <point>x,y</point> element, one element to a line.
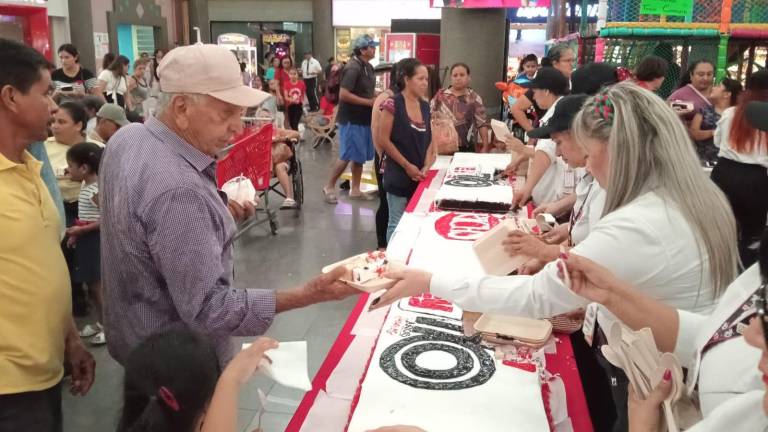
<point>327,407</point>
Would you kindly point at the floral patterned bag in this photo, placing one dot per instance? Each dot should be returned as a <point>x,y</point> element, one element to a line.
<point>444,136</point>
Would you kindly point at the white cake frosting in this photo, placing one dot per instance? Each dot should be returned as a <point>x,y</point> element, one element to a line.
<point>470,181</point>
<point>424,372</point>
<point>371,266</point>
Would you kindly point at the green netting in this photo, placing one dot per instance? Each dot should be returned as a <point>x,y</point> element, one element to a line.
<point>749,11</point>
<point>628,53</point>
<point>587,50</point>
<point>704,11</point>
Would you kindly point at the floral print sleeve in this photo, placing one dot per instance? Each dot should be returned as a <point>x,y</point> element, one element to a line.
<point>388,106</point>
<point>480,117</point>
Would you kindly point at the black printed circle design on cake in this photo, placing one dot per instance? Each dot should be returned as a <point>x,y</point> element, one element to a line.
<point>463,361</point>
<point>466,351</point>
<point>469,181</point>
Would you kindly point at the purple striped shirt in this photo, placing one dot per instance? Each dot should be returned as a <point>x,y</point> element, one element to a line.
<point>166,245</point>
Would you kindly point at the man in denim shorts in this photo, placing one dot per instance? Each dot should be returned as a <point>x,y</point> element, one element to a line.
<point>356,98</point>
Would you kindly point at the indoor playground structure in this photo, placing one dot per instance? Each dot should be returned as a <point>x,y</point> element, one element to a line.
<point>734,33</point>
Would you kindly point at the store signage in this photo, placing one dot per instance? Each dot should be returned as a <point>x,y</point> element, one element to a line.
<point>233,39</point>
<point>272,38</point>
<point>667,7</point>
<point>399,46</point>
<point>488,4</point>
<point>539,14</point>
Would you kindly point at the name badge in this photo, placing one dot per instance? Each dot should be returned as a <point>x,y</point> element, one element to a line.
<point>590,318</point>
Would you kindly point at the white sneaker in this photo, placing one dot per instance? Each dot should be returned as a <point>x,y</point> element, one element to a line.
<point>99,339</point>
<point>90,330</point>
<point>289,203</point>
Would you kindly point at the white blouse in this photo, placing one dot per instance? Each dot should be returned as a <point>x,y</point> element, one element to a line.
<point>728,368</point>
<point>721,140</point>
<point>647,243</point>
<point>114,84</point>
<point>588,209</point>
<point>548,187</point>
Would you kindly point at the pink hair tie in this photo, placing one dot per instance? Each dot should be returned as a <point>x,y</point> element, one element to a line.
<point>168,398</point>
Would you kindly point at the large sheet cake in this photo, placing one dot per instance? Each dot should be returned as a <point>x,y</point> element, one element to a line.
<point>425,372</point>
<point>475,182</point>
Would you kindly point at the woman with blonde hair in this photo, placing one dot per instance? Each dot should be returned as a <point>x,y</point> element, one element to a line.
<point>666,228</point>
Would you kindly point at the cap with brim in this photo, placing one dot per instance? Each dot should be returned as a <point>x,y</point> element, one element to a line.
<point>243,96</point>
<point>565,111</point>
<point>364,41</point>
<point>113,113</point>
<point>549,79</point>
<point>210,70</point>
<point>757,115</point>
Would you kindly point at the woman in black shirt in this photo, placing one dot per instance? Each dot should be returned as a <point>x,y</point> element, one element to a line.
<point>71,79</point>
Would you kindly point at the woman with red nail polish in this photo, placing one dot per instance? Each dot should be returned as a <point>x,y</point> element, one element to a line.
<point>725,370</point>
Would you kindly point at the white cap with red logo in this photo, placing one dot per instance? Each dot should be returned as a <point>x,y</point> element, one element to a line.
<point>207,69</point>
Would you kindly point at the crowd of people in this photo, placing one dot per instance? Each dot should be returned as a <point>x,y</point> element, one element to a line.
<point>647,237</point>
<point>99,193</point>
<point>113,218</point>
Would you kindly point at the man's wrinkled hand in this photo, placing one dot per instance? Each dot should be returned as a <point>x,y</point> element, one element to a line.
<point>241,213</point>
<point>328,286</point>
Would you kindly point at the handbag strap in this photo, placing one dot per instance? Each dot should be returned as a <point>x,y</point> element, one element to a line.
<point>705,99</point>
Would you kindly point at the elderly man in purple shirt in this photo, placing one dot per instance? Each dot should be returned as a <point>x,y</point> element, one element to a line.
<point>167,232</point>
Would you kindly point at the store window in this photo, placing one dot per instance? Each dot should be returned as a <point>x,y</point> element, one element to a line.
<point>345,36</point>
<point>285,38</point>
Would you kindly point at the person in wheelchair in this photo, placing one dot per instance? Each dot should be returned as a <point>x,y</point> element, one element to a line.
<point>282,153</point>
<point>283,142</point>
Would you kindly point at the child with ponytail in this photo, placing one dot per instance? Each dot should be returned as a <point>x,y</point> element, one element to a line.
<point>173,383</point>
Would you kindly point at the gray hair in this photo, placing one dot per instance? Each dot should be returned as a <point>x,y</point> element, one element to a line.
<point>556,52</point>
<point>650,149</point>
<point>164,100</point>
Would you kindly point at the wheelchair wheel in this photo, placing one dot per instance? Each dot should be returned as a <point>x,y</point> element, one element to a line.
<point>298,184</point>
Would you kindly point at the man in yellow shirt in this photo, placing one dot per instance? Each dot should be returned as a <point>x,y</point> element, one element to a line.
<point>37,334</point>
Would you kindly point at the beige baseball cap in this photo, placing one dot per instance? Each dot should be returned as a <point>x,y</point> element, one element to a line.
<point>113,112</point>
<point>207,69</point>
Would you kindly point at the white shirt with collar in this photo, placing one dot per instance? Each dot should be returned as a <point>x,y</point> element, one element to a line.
<point>647,243</point>
<point>728,368</point>
<point>310,68</point>
<point>722,140</point>
<point>590,201</point>
<point>549,186</point>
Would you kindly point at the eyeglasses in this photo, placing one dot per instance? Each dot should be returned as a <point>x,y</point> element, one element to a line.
<point>760,304</point>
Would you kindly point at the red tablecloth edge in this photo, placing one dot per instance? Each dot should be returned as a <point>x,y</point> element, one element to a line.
<point>564,363</point>
<point>335,354</point>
